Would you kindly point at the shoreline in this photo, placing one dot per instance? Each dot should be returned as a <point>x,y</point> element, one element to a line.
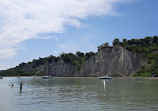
<point>151,78</point>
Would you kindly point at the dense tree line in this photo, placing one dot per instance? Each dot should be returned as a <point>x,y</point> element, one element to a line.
<point>34,67</point>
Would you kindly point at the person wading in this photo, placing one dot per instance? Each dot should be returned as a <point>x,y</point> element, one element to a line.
<point>20,87</point>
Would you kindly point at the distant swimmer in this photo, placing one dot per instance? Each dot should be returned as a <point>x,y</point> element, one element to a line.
<point>11,84</point>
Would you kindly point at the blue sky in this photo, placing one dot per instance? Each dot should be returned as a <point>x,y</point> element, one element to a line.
<point>38,30</point>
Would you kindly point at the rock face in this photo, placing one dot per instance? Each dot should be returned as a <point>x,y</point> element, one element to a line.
<point>61,69</point>
<point>113,61</point>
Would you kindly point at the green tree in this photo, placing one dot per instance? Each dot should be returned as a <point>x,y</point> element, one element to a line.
<point>155,40</point>
<point>124,41</point>
<point>148,40</point>
<point>116,41</point>
<point>79,54</point>
<point>106,44</point>
<point>89,54</point>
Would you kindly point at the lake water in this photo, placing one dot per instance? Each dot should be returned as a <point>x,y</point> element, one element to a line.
<point>78,94</point>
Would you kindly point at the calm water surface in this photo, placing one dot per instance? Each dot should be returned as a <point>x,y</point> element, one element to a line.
<point>78,94</point>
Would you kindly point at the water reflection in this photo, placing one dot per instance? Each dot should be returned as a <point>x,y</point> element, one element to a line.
<point>104,84</point>
<point>105,81</point>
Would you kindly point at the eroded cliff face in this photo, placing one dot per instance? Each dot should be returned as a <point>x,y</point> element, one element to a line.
<point>113,61</point>
<point>61,69</point>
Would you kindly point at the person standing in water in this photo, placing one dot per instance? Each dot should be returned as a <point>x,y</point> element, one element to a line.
<point>20,87</point>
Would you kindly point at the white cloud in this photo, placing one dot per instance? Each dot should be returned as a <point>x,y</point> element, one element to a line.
<point>7,53</point>
<point>21,20</point>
